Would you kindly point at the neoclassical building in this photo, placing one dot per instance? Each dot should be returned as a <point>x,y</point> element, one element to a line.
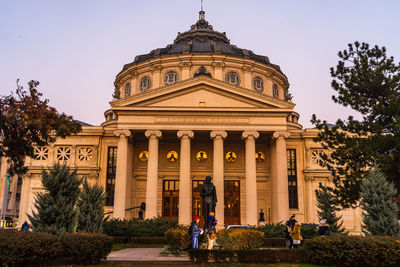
<point>200,106</point>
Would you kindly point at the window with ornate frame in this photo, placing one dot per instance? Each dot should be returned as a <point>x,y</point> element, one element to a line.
<point>171,77</point>
<point>127,90</point>
<point>232,78</point>
<point>63,153</point>
<point>110,176</point>
<point>41,153</point>
<point>145,84</point>
<point>316,156</point>
<point>258,84</point>
<point>275,91</point>
<point>85,153</point>
<point>292,178</point>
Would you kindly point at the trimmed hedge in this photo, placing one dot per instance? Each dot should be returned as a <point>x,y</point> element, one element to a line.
<point>236,239</point>
<point>308,231</point>
<point>249,256</point>
<point>86,248</point>
<point>27,248</point>
<point>177,239</point>
<point>274,242</point>
<point>342,250</point>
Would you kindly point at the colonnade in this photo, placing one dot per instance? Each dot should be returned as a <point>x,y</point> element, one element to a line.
<point>279,180</point>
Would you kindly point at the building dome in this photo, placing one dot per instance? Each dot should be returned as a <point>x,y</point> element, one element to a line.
<point>203,39</point>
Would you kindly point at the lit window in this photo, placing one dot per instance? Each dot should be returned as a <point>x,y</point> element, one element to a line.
<point>171,77</point>
<point>233,78</point>
<point>63,153</point>
<point>275,91</point>
<point>145,84</point>
<point>85,153</point>
<point>127,89</point>
<point>41,153</point>
<point>258,84</point>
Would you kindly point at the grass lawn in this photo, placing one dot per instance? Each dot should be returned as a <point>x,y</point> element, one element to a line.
<point>117,247</point>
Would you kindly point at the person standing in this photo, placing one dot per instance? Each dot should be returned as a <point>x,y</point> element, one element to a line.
<point>212,232</point>
<point>323,228</point>
<point>289,227</point>
<point>25,226</point>
<point>195,232</point>
<point>296,234</point>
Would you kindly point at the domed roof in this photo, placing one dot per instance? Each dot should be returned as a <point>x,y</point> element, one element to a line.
<point>202,38</point>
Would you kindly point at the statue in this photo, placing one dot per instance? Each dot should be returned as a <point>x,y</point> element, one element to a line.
<point>209,199</point>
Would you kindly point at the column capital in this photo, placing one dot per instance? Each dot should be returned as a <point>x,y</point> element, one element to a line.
<point>214,134</point>
<point>278,135</point>
<point>156,133</point>
<point>122,132</point>
<point>309,178</point>
<point>181,134</point>
<point>253,134</point>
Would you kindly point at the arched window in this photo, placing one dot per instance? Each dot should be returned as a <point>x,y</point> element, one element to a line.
<point>171,77</point>
<point>258,84</point>
<point>127,89</point>
<point>145,84</point>
<point>233,78</point>
<point>275,91</point>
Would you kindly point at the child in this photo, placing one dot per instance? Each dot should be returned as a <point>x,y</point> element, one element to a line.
<point>212,236</point>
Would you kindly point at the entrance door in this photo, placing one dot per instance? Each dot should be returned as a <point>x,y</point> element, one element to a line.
<point>196,200</point>
<point>170,202</point>
<point>232,202</point>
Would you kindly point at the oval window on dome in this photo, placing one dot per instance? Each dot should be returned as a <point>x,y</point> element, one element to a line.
<point>233,78</point>
<point>145,84</point>
<point>127,89</point>
<point>275,90</point>
<point>258,84</point>
<point>171,77</point>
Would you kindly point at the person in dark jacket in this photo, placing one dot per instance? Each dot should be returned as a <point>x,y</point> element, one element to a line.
<point>195,232</point>
<point>323,228</point>
<point>289,227</point>
<point>25,226</point>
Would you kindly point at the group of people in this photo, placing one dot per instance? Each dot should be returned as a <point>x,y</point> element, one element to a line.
<point>209,229</point>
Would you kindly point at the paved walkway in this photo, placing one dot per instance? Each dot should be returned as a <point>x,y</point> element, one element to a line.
<point>144,255</point>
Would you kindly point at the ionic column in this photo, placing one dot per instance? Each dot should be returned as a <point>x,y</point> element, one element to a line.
<point>218,173</point>
<point>24,206</point>
<point>310,193</point>
<point>251,177</point>
<point>152,174</point>
<point>121,174</point>
<point>279,182</point>
<point>185,201</point>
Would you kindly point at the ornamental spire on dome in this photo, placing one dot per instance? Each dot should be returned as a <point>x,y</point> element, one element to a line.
<point>202,14</point>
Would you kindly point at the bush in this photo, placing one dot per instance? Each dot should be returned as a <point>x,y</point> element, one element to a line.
<point>274,242</point>
<point>138,228</point>
<point>273,230</point>
<point>177,239</point>
<point>86,248</point>
<point>342,250</point>
<point>309,231</point>
<point>236,239</point>
<point>27,248</point>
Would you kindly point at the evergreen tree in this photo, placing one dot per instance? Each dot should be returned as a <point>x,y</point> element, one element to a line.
<point>91,208</point>
<point>327,209</point>
<point>377,201</point>
<point>56,210</point>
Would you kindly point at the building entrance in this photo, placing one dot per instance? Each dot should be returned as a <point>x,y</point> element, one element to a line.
<point>196,200</point>
<point>232,202</point>
<point>170,202</point>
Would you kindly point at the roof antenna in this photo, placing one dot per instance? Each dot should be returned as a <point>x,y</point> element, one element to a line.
<point>202,14</point>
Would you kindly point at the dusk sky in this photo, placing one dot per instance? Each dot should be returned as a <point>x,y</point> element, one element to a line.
<point>75,48</point>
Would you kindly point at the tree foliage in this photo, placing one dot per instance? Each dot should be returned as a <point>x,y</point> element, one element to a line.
<point>56,210</point>
<point>91,208</point>
<point>377,201</point>
<point>368,81</point>
<point>327,209</point>
<point>25,120</point>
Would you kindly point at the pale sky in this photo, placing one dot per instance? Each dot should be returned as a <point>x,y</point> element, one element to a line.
<point>75,48</point>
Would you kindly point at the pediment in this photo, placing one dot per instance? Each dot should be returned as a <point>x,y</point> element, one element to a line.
<point>202,92</point>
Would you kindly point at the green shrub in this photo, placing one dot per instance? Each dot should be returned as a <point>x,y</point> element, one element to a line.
<point>27,248</point>
<point>138,228</point>
<point>236,239</point>
<point>177,238</point>
<point>342,250</point>
<point>86,248</point>
<point>273,230</point>
<point>274,242</point>
<point>309,231</point>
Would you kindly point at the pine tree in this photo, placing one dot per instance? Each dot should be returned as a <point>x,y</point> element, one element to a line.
<point>327,209</point>
<point>56,210</point>
<point>91,208</point>
<point>377,201</point>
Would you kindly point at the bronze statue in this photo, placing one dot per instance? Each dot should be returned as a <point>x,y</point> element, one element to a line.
<point>209,199</point>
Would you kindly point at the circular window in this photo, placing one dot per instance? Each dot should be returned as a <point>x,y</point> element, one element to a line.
<point>233,78</point>
<point>172,156</point>
<point>171,77</point>
<point>275,91</point>
<point>143,155</point>
<point>127,89</point>
<point>231,156</point>
<point>145,84</point>
<point>201,156</point>
<point>258,84</point>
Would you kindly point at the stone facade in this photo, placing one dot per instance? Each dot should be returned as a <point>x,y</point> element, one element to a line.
<point>169,127</point>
